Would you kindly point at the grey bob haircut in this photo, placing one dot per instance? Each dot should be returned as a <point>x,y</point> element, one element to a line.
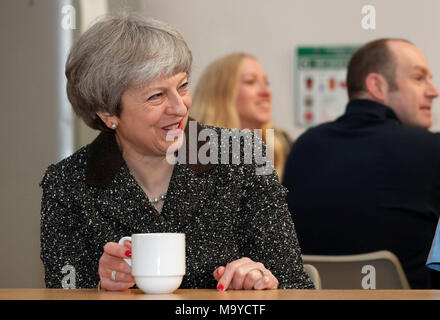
<point>117,53</point>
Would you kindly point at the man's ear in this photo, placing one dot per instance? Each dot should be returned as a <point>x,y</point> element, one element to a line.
<point>377,86</point>
<point>111,121</point>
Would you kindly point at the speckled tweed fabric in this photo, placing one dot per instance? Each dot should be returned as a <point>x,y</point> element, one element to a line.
<point>227,211</point>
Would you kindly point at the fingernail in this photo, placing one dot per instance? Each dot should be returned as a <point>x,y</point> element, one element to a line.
<point>220,287</point>
<point>128,253</point>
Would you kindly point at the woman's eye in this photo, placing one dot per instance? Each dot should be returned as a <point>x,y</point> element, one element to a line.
<point>184,86</point>
<point>155,96</point>
<point>249,81</point>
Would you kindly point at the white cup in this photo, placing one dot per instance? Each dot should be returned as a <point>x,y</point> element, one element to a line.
<point>157,261</point>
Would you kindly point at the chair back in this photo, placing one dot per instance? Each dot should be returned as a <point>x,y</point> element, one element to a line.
<point>313,273</point>
<point>375,270</point>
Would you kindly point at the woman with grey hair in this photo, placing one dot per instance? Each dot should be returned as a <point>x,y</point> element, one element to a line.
<point>128,77</point>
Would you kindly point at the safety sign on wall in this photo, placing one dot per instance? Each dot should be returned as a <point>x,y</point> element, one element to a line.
<point>320,86</point>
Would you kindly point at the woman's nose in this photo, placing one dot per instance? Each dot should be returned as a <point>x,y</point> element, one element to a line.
<point>265,89</point>
<point>177,106</point>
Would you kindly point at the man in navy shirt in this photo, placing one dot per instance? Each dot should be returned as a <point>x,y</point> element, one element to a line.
<point>371,179</point>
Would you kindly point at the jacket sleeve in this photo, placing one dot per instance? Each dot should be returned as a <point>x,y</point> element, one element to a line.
<point>269,233</point>
<point>67,260</point>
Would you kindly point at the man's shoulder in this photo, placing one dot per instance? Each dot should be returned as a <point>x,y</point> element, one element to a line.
<point>384,135</point>
<point>393,128</point>
<point>315,133</point>
<point>413,134</point>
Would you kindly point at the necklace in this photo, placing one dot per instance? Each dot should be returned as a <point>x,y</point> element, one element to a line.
<point>158,199</point>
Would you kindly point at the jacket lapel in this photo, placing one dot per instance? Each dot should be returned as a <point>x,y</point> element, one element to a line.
<point>122,200</point>
<point>185,192</point>
<point>189,184</point>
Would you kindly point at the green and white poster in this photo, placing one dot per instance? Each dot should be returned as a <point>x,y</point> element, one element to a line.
<point>320,84</point>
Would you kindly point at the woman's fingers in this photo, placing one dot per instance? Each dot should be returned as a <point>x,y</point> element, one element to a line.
<point>242,271</point>
<point>266,282</point>
<point>225,280</point>
<point>251,279</point>
<point>119,275</point>
<point>113,263</point>
<point>245,274</point>
<point>116,250</point>
<point>114,272</point>
<point>109,284</point>
<point>219,272</point>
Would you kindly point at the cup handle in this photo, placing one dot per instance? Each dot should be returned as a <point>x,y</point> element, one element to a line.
<point>121,242</point>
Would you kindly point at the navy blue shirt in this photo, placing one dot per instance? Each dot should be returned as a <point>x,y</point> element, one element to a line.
<point>366,182</point>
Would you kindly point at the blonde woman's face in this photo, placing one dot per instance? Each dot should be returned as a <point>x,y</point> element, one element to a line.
<point>254,98</point>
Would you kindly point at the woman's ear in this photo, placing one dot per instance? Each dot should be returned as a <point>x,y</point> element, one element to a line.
<point>111,121</point>
<point>377,86</point>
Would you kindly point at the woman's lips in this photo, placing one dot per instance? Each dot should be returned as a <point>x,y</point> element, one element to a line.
<point>263,104</point>
<point>173,129</point>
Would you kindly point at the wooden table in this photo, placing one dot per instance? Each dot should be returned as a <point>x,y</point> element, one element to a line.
<point>206,294</point>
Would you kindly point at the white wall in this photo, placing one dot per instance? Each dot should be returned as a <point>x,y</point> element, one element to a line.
<point>271,29</point>
<point>34,129</point>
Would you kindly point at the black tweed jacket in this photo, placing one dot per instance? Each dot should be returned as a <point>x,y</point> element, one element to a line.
<point>226,211</point>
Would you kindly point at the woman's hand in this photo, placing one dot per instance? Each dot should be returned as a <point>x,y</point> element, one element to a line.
<point>113,260</point>
<point>244,274</point>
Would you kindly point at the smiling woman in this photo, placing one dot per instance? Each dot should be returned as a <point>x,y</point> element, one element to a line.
<point>128,77</point>
<point>149,114</point>
<point>234,92</point>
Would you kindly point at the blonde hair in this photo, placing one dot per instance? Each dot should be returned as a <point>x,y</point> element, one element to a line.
<point>214,102</point>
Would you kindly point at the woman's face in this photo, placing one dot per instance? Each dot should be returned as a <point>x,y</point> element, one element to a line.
<point>254,98</point>
<point>151,112</point>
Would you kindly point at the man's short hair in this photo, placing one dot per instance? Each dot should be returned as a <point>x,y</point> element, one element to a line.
<point>374,56</point>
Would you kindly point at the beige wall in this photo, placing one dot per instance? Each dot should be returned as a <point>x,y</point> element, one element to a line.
<point>271,29</point>
<point>33,130</point>
<point>37,125</point>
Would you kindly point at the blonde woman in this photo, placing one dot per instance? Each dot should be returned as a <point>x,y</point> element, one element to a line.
<point>234,92</point>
